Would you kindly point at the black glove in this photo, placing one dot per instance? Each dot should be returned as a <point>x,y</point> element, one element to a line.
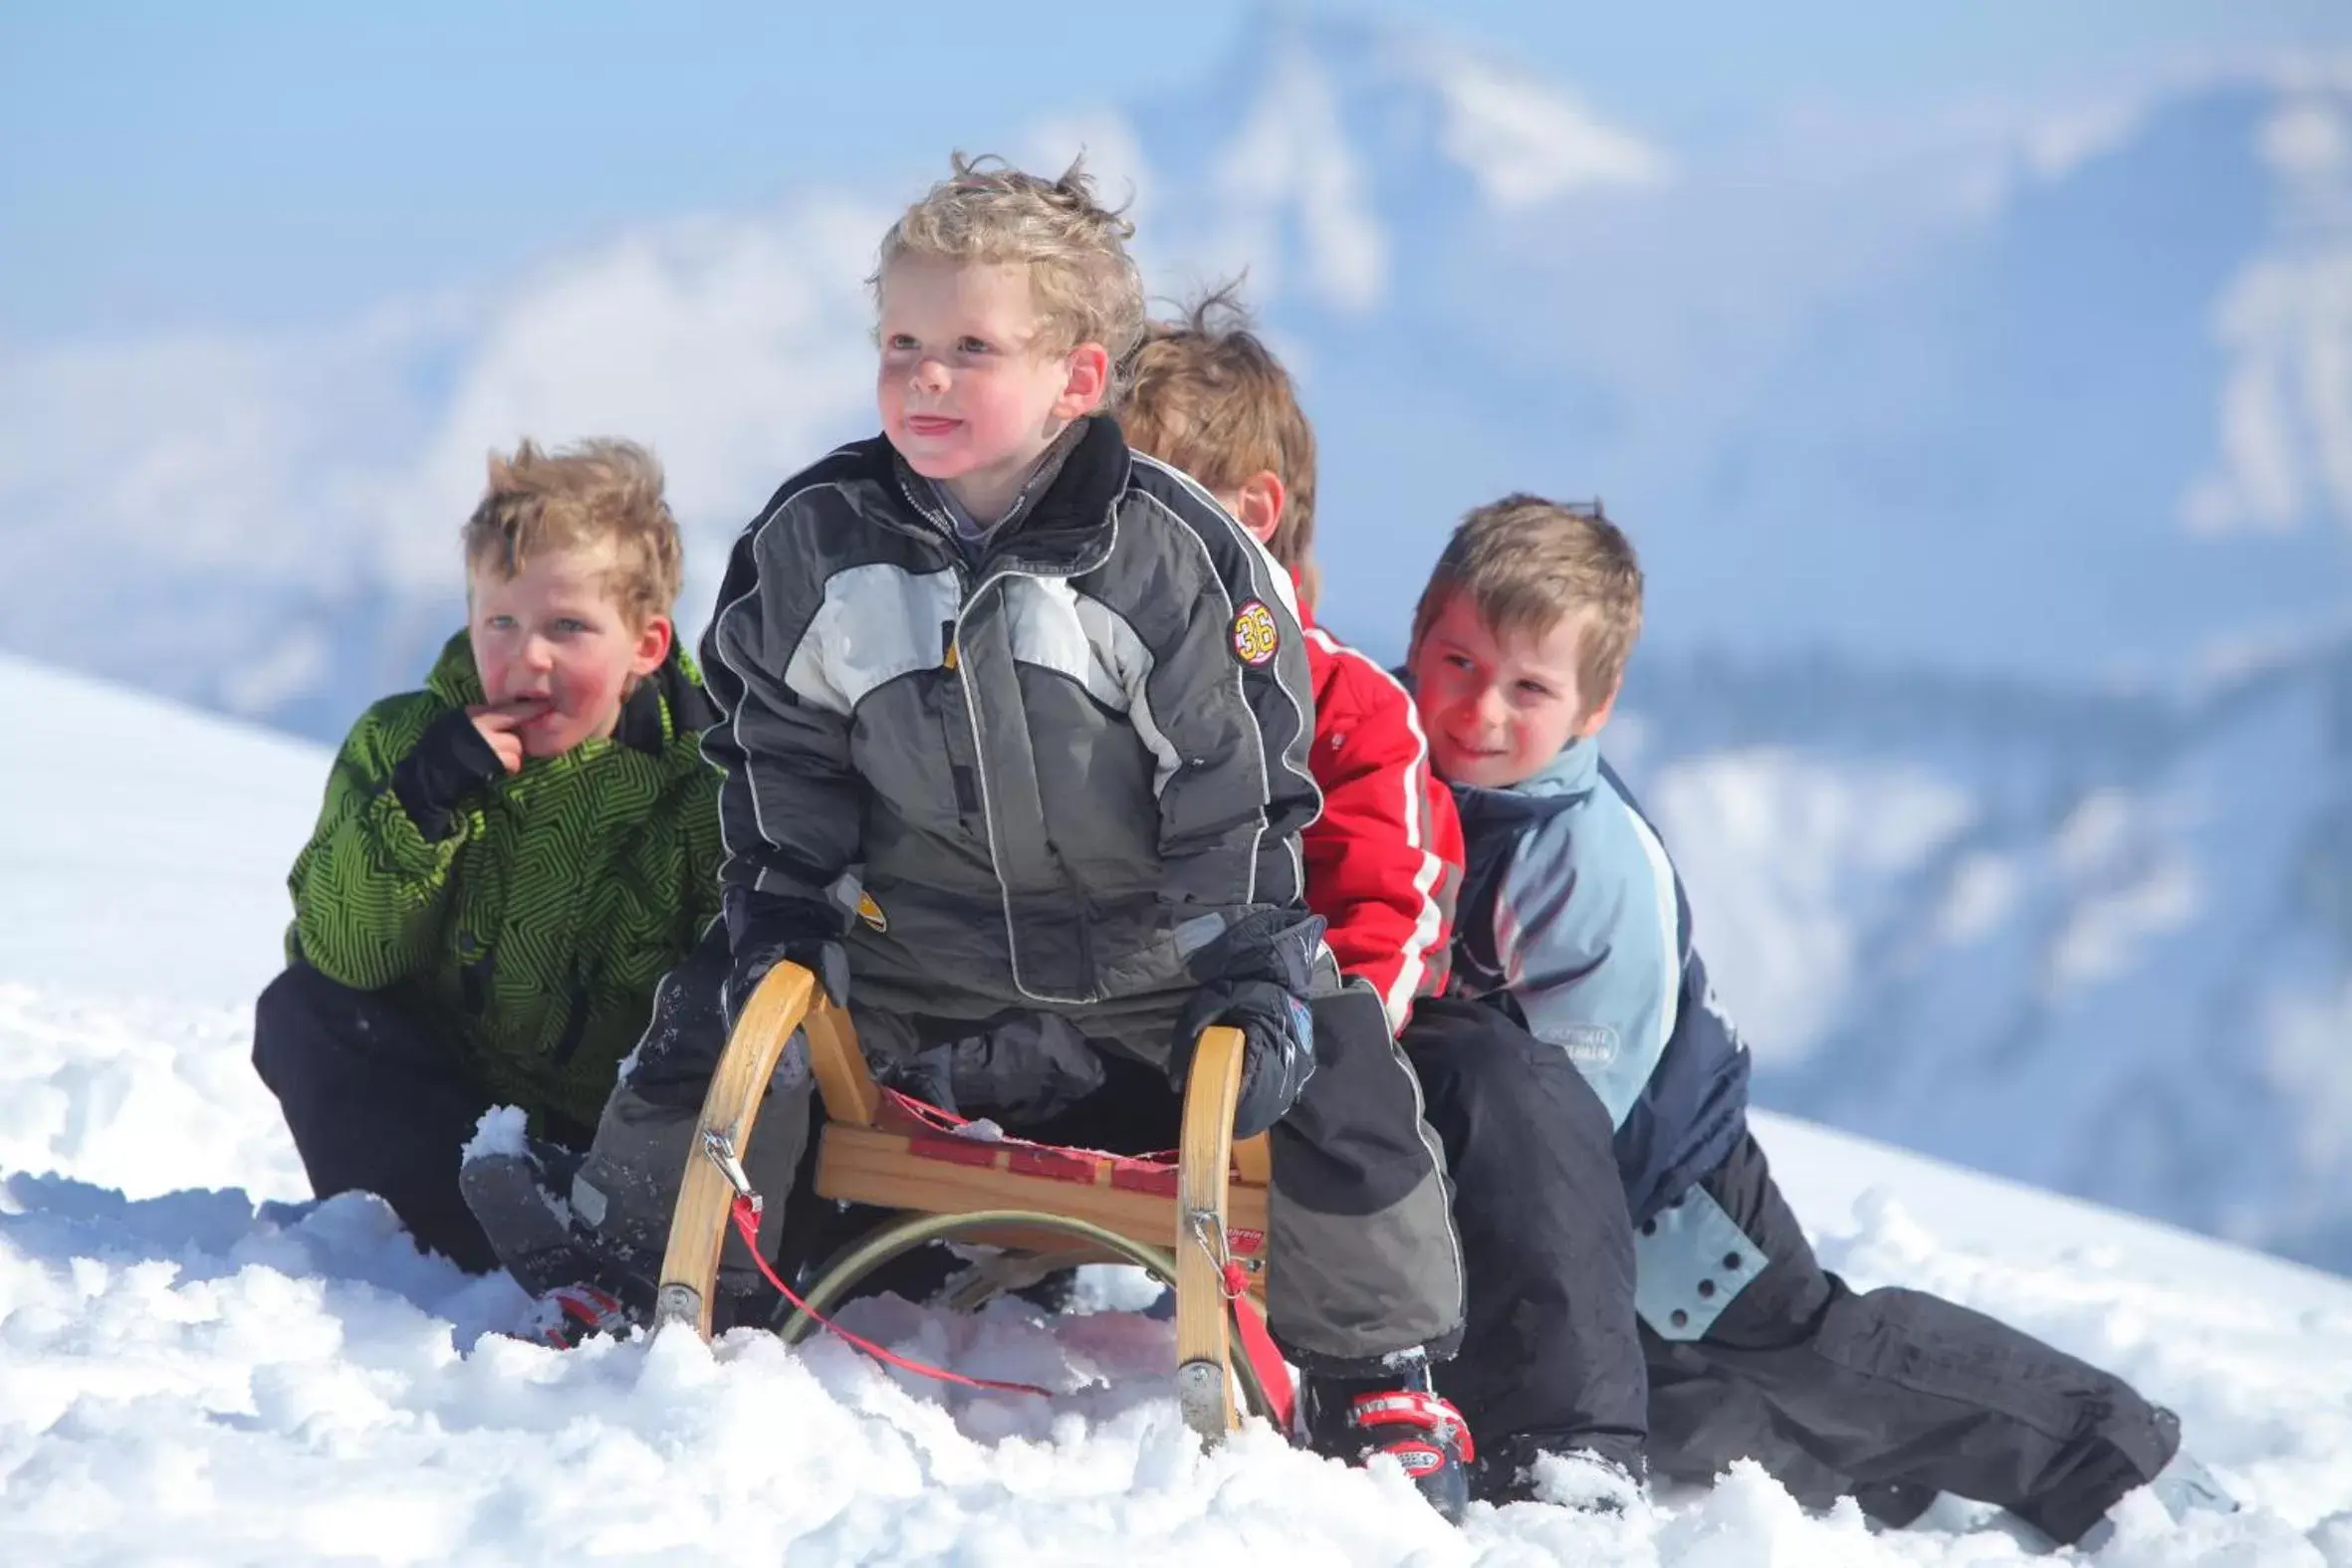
<point>450,761</point>
<point>765,930</point>
<point>1261,973</point>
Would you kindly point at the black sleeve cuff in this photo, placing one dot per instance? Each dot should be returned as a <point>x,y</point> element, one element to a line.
<point>759,923</point>
<point>451,760</point>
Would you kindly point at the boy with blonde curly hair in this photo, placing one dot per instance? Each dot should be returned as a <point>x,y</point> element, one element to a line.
<point>1051,703</point>
<point>508,860</point>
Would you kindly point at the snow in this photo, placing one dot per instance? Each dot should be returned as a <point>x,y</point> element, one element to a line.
<point>119,812</point>
<point>1291,161</point>
<point>2093,944</point>
<point>1798,856</point>
<point>191,1373</point>
<point>503,1130</point>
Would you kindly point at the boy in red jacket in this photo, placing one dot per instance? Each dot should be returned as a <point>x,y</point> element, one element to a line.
<point>1551,1358</point>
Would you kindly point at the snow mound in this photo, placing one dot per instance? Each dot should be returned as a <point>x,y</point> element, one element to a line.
<point>189,1376</point>
<point>290,1386</point>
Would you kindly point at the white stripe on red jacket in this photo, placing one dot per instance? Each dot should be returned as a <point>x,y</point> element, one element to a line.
<point>1384,860</point>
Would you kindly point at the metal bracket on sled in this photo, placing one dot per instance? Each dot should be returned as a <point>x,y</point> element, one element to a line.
<point>721,1150</point>
<point>681,1303</point>
<point>1201,1397</point>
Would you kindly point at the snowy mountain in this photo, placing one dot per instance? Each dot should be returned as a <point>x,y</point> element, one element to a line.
<point>2099,943</point>
<point>2053,399</point>
<point>194,1375</point>
<point>1993,471</point>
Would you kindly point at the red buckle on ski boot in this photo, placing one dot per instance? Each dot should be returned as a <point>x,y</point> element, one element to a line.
<point>569,1314</point>
<point>1414,1426</point>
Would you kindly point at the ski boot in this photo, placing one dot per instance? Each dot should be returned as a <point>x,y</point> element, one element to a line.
<point>1399,1415</point>
<point>577,1288</point>
<point>567,1314</point>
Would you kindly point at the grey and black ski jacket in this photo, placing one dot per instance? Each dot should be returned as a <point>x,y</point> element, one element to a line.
<point>1063,761</point>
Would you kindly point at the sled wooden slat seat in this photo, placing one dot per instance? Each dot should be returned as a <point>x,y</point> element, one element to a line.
<point>940,1174</point>
<point>874,1150</point>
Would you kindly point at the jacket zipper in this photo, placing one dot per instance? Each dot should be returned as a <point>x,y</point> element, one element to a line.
<point>988,823</point>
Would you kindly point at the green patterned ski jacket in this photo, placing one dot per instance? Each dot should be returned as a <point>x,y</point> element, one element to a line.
<point>533,932</point>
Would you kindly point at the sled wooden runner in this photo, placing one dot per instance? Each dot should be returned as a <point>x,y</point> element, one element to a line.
<point>1206,1215</point>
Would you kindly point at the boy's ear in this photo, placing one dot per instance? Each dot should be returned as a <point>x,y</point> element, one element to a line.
<point>1259,504</point>
<point>1090,379</point>
<point>654,645</point>
<point>1590,724</point>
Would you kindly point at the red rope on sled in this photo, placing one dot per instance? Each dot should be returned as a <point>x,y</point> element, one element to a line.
<point>745,1215</point>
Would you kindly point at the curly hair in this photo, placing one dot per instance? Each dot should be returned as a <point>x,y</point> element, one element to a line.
<point>1088,288</point>
<point>597,492</point>
<point>1210,397</point>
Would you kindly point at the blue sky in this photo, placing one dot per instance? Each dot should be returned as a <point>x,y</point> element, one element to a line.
<point>267,164</point>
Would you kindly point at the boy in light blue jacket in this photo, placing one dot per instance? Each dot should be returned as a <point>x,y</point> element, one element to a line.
<point>1573,921</point>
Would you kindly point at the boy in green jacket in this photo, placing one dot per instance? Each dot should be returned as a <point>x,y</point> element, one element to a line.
<point>508,860</point>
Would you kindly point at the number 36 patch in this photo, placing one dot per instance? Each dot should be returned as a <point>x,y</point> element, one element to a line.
<point>1256,637</point>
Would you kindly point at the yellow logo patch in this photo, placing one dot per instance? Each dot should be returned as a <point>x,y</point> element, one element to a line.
<point>1256,637</point>
<point>871,912</point>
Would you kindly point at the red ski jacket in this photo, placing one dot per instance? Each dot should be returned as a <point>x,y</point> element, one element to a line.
<point>1384,860</point>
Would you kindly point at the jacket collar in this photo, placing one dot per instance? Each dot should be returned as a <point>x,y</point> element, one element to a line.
<point>666,706</point>
<point>1057,526</point>
<point>1572,773</point>
<point>1566,780</point>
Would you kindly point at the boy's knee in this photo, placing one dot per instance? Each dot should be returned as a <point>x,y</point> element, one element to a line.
<point>299,1001</point>
<point>627,1186</point>
<point>1482,1074</point>
<point>303,1017</point>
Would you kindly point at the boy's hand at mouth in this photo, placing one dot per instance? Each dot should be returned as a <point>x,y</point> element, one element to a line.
<point>500,722</point>
<point>465,750</point>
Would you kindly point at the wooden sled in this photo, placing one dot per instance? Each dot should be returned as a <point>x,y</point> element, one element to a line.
<point>1051,1208</point>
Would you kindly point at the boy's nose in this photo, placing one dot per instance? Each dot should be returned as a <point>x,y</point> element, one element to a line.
<point>537,654</point>
<point>1492,712</point>
<point>930,377</point>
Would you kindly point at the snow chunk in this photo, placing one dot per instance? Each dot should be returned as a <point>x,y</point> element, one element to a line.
<point>503,1129</point>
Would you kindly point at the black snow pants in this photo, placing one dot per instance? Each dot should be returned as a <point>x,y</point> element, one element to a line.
<point>1551,1356</point>
<point>376,1103</point>
<point>1889,1396</point>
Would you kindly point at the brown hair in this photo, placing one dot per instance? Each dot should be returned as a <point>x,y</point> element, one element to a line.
<point>1528,562</point>
<point>593,493</point>
<point>1086,285</point>
<point>1210,398</point>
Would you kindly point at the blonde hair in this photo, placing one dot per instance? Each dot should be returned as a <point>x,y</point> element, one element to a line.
<point>596,491</point>
<point>1087,287</point>
<point>1210,398</point>
<point>1528,563</point>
